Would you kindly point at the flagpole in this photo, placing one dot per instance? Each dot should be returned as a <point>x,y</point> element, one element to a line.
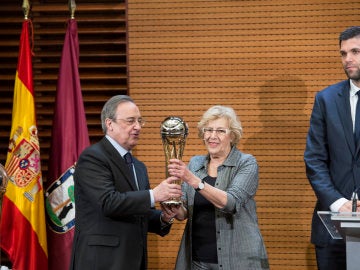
<point>26,8</point>
<point>72,7</point>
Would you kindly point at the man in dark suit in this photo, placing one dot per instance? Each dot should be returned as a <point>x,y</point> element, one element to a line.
<point>332,154</point>
<point>113,200</point>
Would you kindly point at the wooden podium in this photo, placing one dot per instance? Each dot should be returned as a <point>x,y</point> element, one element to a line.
<point>345,226</point>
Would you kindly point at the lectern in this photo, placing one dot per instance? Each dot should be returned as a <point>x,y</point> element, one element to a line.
<point>345,226</point>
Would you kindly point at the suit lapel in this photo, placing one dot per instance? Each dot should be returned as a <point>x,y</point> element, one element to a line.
<point>343,106</point>
<point>140,175</point>
<point>120,162</point>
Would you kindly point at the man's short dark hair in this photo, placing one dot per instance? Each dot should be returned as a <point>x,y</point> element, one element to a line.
<point>348,33</point>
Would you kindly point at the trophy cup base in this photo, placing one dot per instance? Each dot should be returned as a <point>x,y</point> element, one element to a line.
<point>172,202</point>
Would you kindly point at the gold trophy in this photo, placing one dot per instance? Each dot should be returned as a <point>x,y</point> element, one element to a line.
<point>173,134</point>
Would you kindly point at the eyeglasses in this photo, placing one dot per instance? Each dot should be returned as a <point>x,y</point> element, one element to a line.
<point>218,132</point>
<point>131,121</point>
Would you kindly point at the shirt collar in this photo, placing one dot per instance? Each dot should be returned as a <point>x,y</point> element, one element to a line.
<point>353,88</point>
<point>122,151</point>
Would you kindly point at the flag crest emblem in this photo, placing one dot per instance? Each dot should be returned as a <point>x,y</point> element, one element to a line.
<point>25,163</point>
<point>60,203</point>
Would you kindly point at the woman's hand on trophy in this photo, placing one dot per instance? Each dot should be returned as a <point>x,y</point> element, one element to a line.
<point>167,189</point>
<point>179,169</point>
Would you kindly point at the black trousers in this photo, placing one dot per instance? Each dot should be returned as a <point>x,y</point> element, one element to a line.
<point>332,256</point>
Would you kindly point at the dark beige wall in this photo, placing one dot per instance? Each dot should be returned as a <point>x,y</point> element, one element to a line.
<point>266,59</point>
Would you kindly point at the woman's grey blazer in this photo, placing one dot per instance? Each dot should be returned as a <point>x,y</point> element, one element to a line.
<point>239,241</point>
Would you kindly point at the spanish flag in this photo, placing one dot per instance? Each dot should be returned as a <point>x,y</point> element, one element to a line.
<point>23,227</point>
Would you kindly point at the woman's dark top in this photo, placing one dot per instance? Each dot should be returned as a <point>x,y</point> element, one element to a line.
<point>204,230</point>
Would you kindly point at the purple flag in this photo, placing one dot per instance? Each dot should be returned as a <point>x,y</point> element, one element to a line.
<point>69,138</point>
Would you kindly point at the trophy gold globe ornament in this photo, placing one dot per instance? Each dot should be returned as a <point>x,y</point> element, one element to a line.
<point>173,131</point>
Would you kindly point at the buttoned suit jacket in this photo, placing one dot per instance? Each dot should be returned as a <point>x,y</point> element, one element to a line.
<point>331,158</point>
<point>112,216</point>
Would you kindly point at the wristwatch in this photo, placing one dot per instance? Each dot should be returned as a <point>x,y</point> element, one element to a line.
<point>171,221</point>
<point>201,186</point>
<point>166,223</point>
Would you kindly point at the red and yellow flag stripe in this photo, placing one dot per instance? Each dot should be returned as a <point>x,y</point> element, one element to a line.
<point>23,226</point>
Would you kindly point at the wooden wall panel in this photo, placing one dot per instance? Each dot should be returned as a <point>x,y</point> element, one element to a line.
<point>266,59</point>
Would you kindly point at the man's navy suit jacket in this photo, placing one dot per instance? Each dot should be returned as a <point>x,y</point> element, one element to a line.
<point>331,158</point>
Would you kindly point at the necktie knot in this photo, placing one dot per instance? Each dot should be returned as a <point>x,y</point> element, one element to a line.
<point>128,158</point>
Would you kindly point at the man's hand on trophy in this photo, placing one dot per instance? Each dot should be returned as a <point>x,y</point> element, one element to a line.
<point>171,211</point>
<point>167,189</point>
<point>168,212</point>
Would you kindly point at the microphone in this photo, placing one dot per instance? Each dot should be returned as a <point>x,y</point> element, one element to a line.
<point>354,199</point>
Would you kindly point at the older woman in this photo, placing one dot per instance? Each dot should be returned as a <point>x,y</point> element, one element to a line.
<point>222,229</point>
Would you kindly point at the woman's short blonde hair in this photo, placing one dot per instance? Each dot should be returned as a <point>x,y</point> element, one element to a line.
<point>228,113</point>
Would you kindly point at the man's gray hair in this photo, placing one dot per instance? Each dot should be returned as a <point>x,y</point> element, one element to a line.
<point>109,109</point>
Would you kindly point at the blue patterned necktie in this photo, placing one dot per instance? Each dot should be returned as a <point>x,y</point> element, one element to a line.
<point>129,161</point>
